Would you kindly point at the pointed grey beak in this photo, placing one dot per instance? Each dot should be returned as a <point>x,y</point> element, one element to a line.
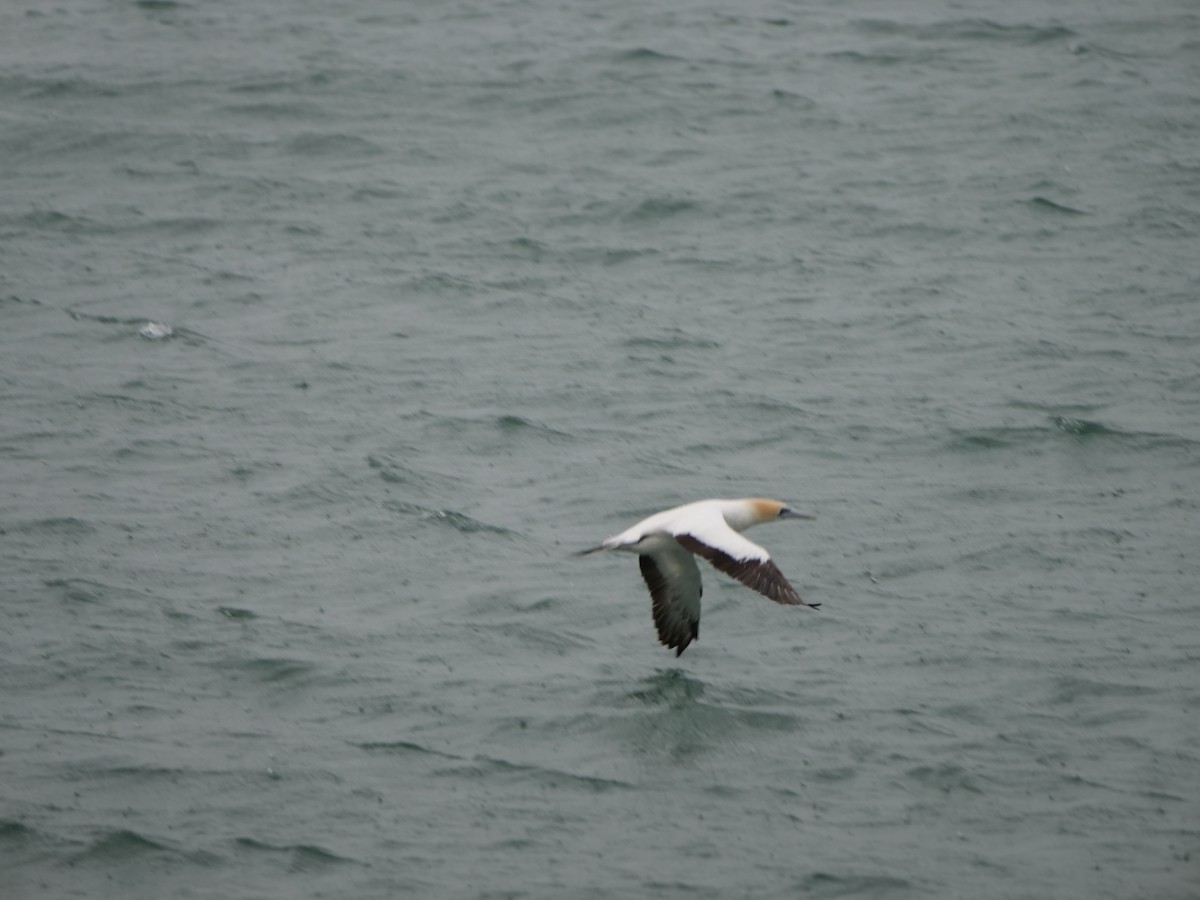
<point>788,513</point>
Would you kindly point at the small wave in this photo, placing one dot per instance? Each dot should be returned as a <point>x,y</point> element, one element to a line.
<point>53,220</point>
<point>1054,409</point>
<point>441,283</point>
<point>1087,429</point>
<point>672,341</point>
<point>13,298</point>
<point>179,225</point>
<point>655,209</point>
<point>78,590</point>
<point>616,256</point>
<point>274,671</point>
<point>401,748</point>
<point>458,521</point>
<point>283,83</point>
<point>1080,429</point>
<point>1069,690</point>
<point>124,845</point>
<point>534,249</point>
<point>984,439</point>
<point>60,526</point>
<point>277,110</point>
<point>945,778</point>
<point>519,424</point>
<point>486,766</point>
<point>1044,204</point>
<point>644,55</point>
<point>870,59</point>
<point>141,326</point>
<point>15,833</point>
<point>303,857</point>
<point>156,331</point>
<point>608,256</point>
<point>542,639</point>
<point>464,523</point>
<point>394,472</point>
<point>967,30</point>
<point>835,774</point>
<point>669,717</point>
<point>311,858</point>
<point>1030,555</point>
<point>103,320</point>
<point>69,87</point>
<point>249,471</point>
<point>335,145</point>
<point>792,98</point>
<point>672,688</point>
<point>820,885</point>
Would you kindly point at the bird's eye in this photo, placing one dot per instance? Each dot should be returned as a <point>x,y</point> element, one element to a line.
<point>783,511</point>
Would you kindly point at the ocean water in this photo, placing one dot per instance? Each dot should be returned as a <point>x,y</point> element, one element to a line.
<point>329,331</point>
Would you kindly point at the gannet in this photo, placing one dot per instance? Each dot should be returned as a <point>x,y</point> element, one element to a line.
<point>668,542</point>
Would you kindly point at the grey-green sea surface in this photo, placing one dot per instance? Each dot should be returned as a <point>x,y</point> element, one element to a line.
<point>444,292</point>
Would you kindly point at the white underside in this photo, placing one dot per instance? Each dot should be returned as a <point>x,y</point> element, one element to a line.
<point>705,520</point>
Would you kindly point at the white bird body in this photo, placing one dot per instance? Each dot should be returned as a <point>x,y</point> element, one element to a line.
<point>668,542</point>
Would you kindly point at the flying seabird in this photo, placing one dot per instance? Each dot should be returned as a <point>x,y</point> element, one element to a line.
<point>668,542</point>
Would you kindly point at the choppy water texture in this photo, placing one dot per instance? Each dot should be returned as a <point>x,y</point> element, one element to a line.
<point>455,289</point>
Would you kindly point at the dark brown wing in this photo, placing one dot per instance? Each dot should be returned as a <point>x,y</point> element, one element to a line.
<point>761,575</point>
<point>674,600</point>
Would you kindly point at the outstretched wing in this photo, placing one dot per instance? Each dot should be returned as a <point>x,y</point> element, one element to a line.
<point>673,578</point>
<point>747,562</point>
